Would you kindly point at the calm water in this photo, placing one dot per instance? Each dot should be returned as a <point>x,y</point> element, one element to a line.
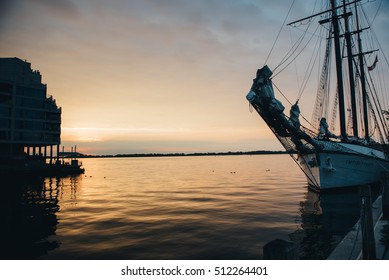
<point>219,207</point>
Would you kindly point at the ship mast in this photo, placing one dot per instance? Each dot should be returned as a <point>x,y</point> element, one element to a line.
<point>350,70</point>
<point>334,19</point>
<point>362,77</point>
<point>339,74</point>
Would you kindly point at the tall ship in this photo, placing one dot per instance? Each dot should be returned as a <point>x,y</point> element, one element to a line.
<point>346,141</point>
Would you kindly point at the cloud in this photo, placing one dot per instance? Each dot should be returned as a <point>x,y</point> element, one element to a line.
<point>62,8</point>
<point>6,8</point>
<point>153,64</point>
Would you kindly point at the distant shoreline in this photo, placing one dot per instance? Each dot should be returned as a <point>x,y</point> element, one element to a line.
<point>182,154</point>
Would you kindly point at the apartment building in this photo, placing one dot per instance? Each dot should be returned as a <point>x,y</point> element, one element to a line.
<point>30,120</point>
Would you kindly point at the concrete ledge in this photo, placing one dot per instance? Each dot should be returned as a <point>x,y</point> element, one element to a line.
<point>382,252</point>
<point>350,248</point>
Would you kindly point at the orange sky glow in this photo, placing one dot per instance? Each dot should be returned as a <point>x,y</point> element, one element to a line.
<point>152,76</point>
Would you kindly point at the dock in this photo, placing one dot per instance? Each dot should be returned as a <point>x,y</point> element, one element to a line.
<point>350,248</point>
<point>367,239</point>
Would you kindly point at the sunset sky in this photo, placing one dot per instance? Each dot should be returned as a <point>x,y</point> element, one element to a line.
<point>141,76</point>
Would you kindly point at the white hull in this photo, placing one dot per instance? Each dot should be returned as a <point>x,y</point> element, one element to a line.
<point>333,169</point>
<point>326,161</point>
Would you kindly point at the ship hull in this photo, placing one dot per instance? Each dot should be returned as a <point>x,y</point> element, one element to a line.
<point>330,169</point>
<point>328,161</point>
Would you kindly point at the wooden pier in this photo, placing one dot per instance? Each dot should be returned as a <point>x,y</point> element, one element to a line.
<point>364,241</point>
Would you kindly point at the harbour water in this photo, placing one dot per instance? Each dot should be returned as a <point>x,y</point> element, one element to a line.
<point>208,207</point>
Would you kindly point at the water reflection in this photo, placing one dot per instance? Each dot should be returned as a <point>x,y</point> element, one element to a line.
<point>325,219</point>
<point>29,219</point>
<point>181,208</point>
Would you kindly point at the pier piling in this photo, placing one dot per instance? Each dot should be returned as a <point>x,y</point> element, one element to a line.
<point>385,199</point>
<point>368,241</point>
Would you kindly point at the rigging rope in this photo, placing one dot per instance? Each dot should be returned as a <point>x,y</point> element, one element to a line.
<point>291,51</point>
<point>376,37</point>
<point>376,13</point>
<point>279,32</point>
<point>309,70</point>
<point>296,55</point>
<point>296,46</point>
<point>290,103</point>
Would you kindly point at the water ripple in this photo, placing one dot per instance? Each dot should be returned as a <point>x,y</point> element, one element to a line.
<point>161,208</point>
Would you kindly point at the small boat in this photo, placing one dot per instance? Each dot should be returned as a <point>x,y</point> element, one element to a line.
<point>353,149</point>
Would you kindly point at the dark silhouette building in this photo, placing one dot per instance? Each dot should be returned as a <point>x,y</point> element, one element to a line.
<point>30,120</point>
